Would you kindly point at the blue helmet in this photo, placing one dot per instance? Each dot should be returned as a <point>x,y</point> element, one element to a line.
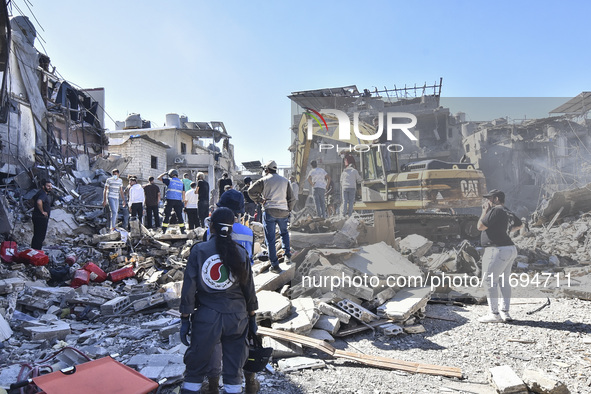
<point>232,199</point>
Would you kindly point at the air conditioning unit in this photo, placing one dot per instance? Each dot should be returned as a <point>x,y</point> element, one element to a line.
<point>179,160</point>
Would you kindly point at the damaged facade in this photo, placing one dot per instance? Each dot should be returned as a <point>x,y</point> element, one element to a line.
<point>190,147</point>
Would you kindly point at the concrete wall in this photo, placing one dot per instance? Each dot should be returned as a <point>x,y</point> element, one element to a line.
<point>141,152</point>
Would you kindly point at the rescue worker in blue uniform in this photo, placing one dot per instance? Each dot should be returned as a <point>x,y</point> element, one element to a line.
<point>218,304</point>
<point>175,195</point>
<point>243,235</point>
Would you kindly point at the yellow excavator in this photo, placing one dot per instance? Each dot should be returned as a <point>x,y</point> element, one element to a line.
<point>424,195</point>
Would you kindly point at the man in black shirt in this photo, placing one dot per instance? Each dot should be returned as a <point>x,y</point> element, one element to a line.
<point>203,200</point>
<point>249,205</point>
<point>41,212</point>
<point>499,254</point>
<point>152,194</point>
<point>223,182</point>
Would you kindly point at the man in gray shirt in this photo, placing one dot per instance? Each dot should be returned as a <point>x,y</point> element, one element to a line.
<point>274,192</point>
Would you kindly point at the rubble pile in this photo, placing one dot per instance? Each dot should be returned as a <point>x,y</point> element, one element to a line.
<point>118,292</point>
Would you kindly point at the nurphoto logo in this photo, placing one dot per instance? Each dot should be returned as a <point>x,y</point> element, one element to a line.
<point>402,121</point>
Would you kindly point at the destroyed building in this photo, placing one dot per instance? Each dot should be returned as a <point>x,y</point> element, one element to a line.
<point>189,147</point>
<point>43,114</point>
<point>532,159</point>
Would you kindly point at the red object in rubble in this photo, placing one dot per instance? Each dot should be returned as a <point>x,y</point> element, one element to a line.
<point>71,259</point>
<point>8,251</point>
<point>33,256</point>
<point>81,277</point>
<point>121,273</point>
<point>96,273</point>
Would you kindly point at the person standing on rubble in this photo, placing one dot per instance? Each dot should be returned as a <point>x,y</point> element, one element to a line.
<point>276,196</point>
<point>219,277</point>
<point>295,188</point>
<point>243,235</point>
<point>137,198</point>
<point>41,213</point>
<point>175,195</point>
<point>249,205</point>
<point>187,182</point>
<point>152,200</point>
<point>495,223</point>
<point>203,201</point>
<point>349,179</point>
<point>113,189</point>
<point>192,206</point>
<point>318,179</point>
<point>223,182</point>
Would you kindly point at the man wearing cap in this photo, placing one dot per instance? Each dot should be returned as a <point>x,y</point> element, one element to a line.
<point>499,254</point>
<point>318,179</point>
<point>276,196</point>
<point>175,195</point>
<point>113,189</point>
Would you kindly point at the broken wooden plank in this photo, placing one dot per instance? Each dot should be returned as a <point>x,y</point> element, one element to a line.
<point>374,361</point>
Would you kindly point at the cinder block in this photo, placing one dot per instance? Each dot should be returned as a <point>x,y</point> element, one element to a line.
<point>115,306</point>
<point>357,311</point>
<point>297,363</point>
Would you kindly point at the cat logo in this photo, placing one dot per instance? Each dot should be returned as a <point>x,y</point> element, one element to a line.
<point>469,188</point>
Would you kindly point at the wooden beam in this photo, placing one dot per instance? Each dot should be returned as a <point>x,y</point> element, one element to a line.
<point>373,361</point>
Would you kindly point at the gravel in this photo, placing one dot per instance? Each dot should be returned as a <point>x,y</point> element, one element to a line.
<point>557,341</point>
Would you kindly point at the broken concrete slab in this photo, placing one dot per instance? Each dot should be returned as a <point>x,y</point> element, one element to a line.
<point>506,381</point>
<point>302,319</point>
<point>271,281</point>
<point>5,330</point>
<point>415,245</point>
<point>330,310</point>
<point>272,305</point>
<point>406,302</point>
<point>382,260</point>
<point>328,323</point>
<point>541,382</point>
<point>283,348</point>
<point>297,363</point>
<point>57,330</point>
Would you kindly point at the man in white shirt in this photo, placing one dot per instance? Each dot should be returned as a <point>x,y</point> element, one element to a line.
<point>318,179</point>
<point>192,207</point>
<point>136,199</point>
<point>113,189</point>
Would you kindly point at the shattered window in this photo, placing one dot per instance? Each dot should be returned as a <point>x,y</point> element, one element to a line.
<point>183,148</point>
<point>154,162</point>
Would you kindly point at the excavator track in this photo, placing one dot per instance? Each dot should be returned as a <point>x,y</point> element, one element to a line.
<point>437,226</point>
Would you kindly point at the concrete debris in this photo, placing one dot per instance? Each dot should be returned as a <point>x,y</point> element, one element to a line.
<point>272,305</point>
<point>506,381</point>
<point>303,318</point>
<point>405,303</point>
<point>282,349</point>
<point>357,311</point>
<point>297,363</point>
<point>540,382</point>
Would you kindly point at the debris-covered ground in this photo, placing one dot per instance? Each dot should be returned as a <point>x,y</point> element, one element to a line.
<point>344,316</point>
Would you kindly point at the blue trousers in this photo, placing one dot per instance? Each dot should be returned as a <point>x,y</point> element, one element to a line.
<point>319,200</point>
<point>270,222</point>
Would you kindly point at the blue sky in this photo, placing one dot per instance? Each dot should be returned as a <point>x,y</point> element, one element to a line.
<point>237,61</point>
